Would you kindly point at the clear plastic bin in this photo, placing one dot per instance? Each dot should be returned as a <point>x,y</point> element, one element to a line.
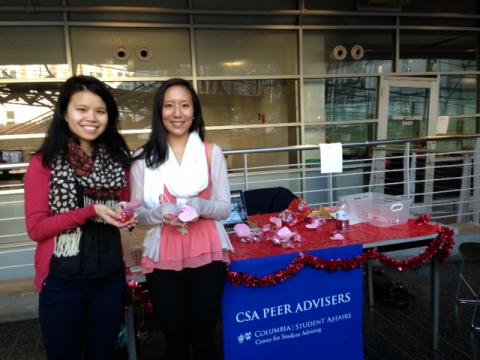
<point>377,209</point>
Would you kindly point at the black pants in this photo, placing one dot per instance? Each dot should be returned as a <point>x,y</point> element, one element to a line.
<point>81,317</point>
<point>187,304</point>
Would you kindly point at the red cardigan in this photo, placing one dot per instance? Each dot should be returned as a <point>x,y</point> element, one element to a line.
<point>42,226</point>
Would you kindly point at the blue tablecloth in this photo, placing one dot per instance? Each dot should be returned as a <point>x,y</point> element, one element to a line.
<point>314,315</point>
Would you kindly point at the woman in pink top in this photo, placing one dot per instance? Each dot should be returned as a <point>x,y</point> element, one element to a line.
<point>184,264</point>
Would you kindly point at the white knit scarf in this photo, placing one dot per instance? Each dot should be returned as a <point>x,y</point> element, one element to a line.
<point>184,180</point>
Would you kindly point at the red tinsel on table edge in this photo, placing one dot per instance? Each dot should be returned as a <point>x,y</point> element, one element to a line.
<point>441,247</point>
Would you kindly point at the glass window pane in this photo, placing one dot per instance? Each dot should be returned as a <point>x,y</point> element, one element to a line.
<point>246,52</point>
<point>443,22</point>
<point>151,16</point>
<point>245,4</point>
<point>347,52</point>
<point>441,6</point>
<point>245,20</point>
<point>244,102</point>
<point>458,95</point>
<point>116,53</point>
<point>136,141</point>
<point>27,108</point>
<point>340,133</point>
<point>19,150</point>
<point>345,5</point>
<point>348,20</point>
<point>30,53</point>
<point>340,99</point>
<point>423,51</point>
<point>12,223</point>
<point>350,133</point>
<point>314,101</point>
<point>255,138</point>
<point>27,14</point>
<point>135,102</point>
<point>460,126</point>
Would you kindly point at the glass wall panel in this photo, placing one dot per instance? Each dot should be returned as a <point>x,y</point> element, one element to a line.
<point>348,20</point>
<point>437,51</point>
<point>135,102</point>
<point>96,15</point>
<point>245,102</point>
<point>458,95</point>
<point>343,134</point>
<point>347,52</point>
<point>30,53</point>
<point>443,6</point>
<point>27,14</point>
<point>245,20</point>
<point>343,5</point>
<point>246,52</point>
<point>27,108</point>
<point>12,223</point>
<point>460,126</point>
<point>245,4</point>
<point>136,141</point>
<point>340,99</point>
<point>19,150</point>
<point>117,53</point>
<point>444,22</point>
<point>255,138</point>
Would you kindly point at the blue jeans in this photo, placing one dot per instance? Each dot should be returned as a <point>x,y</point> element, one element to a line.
<point>81,318</point>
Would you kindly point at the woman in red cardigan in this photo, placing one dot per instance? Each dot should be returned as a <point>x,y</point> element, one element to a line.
<point>71,187</point>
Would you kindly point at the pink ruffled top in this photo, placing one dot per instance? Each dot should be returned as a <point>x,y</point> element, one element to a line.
<point>201,245</point>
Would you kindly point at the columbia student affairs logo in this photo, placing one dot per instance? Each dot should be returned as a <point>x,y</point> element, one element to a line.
<point>244,337</point>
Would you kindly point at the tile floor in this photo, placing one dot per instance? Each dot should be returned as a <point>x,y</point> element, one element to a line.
<point>393,333</point>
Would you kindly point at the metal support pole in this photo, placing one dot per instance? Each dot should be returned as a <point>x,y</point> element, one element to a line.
<point>435,299</point>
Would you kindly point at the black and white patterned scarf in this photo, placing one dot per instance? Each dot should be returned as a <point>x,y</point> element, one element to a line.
<point>102,179</point>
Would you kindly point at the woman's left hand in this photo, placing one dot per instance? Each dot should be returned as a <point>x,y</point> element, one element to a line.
<point>172,220</point>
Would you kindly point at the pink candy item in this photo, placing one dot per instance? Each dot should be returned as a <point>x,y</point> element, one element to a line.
<point>337,236</point>
<point>315,223</point>
<point>276,221</point>
<point>128,210</point>
<point>242,230</point>
<point>187,214</point>
<point>284,233</point>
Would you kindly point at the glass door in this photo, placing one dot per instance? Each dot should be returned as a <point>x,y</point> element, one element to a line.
<point>408,107</point>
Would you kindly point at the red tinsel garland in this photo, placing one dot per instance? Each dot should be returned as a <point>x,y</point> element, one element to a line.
<point>138,292</point>
<point>441,247</point>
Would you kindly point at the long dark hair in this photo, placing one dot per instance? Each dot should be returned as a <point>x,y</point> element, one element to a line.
<point>155,151</point>
<point>59,133</point>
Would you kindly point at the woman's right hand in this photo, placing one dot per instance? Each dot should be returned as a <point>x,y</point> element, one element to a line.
<point>109,216</point>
